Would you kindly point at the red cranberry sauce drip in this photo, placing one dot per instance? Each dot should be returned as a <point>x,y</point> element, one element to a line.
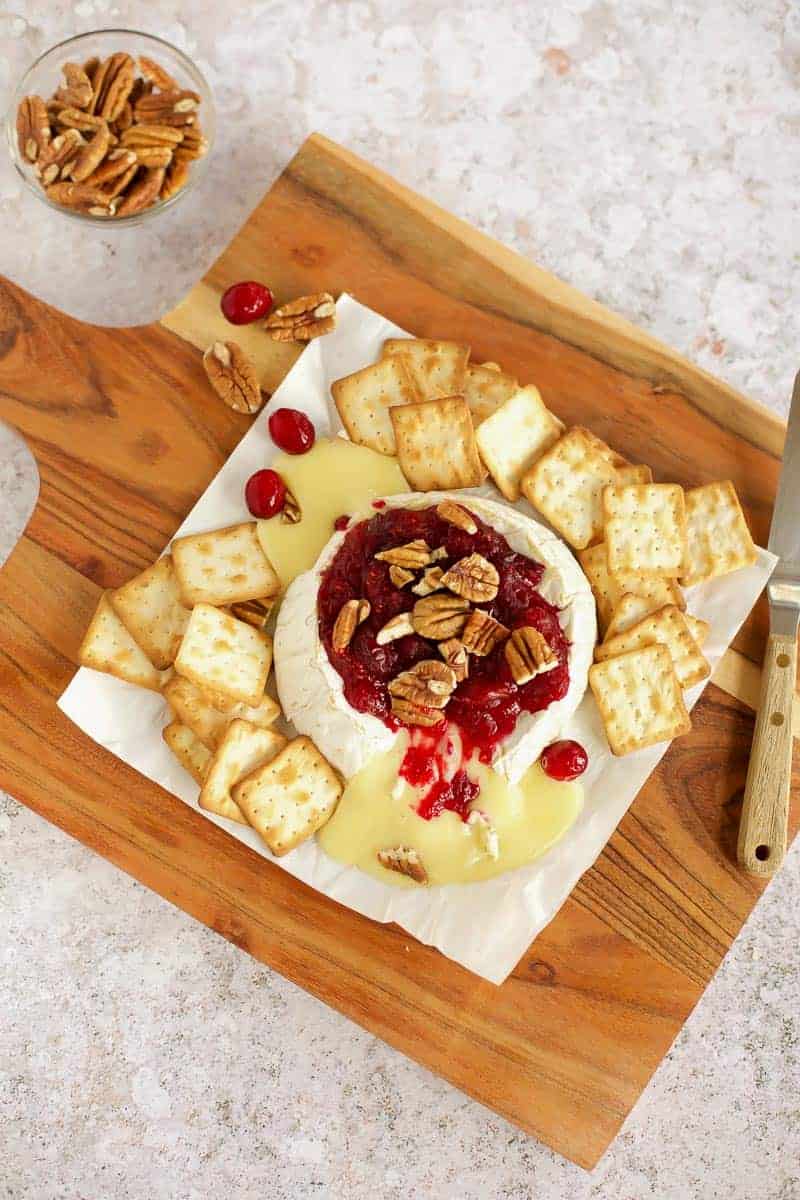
<point>485,706</point>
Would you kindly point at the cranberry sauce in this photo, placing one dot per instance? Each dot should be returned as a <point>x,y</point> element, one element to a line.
<point>485,706</point>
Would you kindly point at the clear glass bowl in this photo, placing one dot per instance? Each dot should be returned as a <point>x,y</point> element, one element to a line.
<point>44,77</point>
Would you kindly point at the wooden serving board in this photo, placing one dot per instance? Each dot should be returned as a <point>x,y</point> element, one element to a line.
<point>127,434</point>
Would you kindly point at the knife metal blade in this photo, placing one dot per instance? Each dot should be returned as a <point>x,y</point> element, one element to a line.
<point>783,589</point>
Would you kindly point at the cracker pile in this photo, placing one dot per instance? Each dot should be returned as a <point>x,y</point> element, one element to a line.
<point>450,422</point>
<point>192,627</point>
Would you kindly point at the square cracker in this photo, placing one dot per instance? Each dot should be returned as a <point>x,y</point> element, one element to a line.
<point>485,389</point>
<point>436,445</point>
<point>225,655</point>
<point>698,628</point>
<point>208,714</point>
<point>639,698</point>
<point>190,752</point>
<point>717,537</point>
<point>654,593</point>
<point>645,528</point>
<point>670,628</point>
<point>291,797</point>
<point>243,748</point>
<point>609,590</point>
<point>107,646</point>
<point>151,609</point>
<point>437,368</point>
<point>193,709</point>
<point>224,566</point>
<point>513,438</point>
<point>363,401</point>
<point>566,485</point>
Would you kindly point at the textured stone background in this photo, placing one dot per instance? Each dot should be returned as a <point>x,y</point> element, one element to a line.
<point>647,151</point>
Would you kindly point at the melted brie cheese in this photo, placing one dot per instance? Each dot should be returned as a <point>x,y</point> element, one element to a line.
<point>514,823</point>
<point>334,478</point>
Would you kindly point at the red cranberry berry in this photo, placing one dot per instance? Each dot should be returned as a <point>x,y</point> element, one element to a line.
<point>265,493</point>
<point>291,430</point>
<point>341,523</point>
<point>245,302</point>
<point>564,760</point>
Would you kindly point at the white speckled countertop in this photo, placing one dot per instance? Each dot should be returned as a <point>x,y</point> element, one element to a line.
<point>649,152</point>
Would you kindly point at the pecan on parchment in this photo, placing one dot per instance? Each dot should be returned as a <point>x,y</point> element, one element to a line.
<point>303,319</point>
<point>405,861</point>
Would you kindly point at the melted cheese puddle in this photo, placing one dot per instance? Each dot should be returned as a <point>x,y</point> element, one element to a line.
<point>333,478</point>
<point>377,811</point>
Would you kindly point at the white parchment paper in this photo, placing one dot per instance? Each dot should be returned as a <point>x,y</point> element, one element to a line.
<point>484,926</point>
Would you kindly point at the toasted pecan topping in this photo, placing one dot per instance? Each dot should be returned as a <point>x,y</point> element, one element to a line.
<point>456,515</point>
<point>482,633</point>
<point>528,654</point>
<point>351,614</point>
<point>474,578</point>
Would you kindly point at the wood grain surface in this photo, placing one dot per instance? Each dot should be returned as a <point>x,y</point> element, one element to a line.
<point>127,435</point>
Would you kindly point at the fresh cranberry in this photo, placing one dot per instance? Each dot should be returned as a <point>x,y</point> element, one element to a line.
<point>564,760</point>
<point>265,493</point>
<point>292,430</point>
<point>341,522</point>
<point>245,302</point>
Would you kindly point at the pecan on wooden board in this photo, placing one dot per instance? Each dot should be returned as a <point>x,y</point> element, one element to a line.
<point>233,376</point>
<point>303,319</point>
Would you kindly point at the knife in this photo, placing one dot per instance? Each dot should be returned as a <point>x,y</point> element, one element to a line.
<point>762,832</point>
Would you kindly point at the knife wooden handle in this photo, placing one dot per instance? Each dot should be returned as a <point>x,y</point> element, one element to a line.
<point>762,833</point>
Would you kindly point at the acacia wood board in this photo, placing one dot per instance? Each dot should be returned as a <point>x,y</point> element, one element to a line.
<point>127,434</point>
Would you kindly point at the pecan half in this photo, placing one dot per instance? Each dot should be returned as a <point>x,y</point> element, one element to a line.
<point>439,553</point>
<point>77,195</point>
<point>78,91</point>
<point>431,582</point>
<point>116,186</point>
<point>473,577</point>
<point>233,376</point>
<point>75,118</point>
<point>152,135</point>
<point>400,576</point>
<point>440,616</point>
<point>194,144</point>
<point>58,155</point>
<point>254,612</point>
<point>303,319</point>
<point>290,513</point>
<point>33,128</point>
<point>113,82</point>
<point>428,684</point>
<point>153,156</point>
<point>482,633</point>
<point>396,627</point>
<point>177,177</point>
<point>154,73</point>
<point>167,108</point>
<point>405,861</point>
<point>143,192</point>
<point>91,155</point>
<point>117,163</point>
<point>351,614</point>
<point>455,655</point>
<point>125,118</point>
<point>528,654</point>
<point>412,555</point>
<point>456,515</point>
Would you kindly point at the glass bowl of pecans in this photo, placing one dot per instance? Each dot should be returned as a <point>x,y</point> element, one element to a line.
<point>113,126</point>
